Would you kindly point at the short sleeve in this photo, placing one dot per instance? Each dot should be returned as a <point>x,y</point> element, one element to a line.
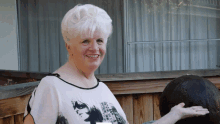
<point>43,103</point>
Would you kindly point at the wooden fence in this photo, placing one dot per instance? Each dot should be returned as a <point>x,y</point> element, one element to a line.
<point>138,108</point>
<point>138,98</point>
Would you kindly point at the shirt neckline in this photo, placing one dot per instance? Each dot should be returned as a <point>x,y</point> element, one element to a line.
<point>58,76</point>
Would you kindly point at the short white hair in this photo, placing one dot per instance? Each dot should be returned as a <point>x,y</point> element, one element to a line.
<point>84,20</point>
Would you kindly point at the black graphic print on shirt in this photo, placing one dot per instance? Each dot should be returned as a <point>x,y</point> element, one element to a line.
<point>93,114</point>
<point>61,120</point>
<point>111,114</point>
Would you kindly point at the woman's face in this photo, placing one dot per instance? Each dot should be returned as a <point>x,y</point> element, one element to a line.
<point>87,53</point>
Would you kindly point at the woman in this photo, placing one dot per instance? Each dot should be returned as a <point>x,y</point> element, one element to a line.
<point>194,91</point>
<point>85,30</point>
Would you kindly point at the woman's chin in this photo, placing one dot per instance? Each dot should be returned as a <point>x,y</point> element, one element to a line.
<point>93,67</point>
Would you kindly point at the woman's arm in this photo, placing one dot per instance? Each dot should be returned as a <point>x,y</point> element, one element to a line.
<point>178,112</point>
<point>169,118</point>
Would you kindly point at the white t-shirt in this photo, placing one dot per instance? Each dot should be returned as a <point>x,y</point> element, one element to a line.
<point>56,101</point>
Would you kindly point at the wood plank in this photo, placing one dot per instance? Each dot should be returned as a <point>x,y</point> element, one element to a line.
<point>126,102</point>
<point>1,121</point>
<point>127,106</point>
<point>8,120</point>
<point>158,75</point>
<point>121,76</point>
<point>119,98</point>
<point>117,87</point>
<point>156,100</point>
<point>6,81</point>
<point>13,106</point>
<point>146,86</point>
<point>143,108</point>
<point>17,90</point>
<point>19,118</point>
<point>17,77</point>
<point>215,81</point>
<point>140,86</point>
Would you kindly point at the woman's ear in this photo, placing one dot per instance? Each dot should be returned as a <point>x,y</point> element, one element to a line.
<point>67,47</point>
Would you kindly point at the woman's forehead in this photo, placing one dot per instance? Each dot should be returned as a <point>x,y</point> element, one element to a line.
<point>93,35</point>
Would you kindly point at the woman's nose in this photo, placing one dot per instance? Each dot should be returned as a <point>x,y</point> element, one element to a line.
<point>94,45</point>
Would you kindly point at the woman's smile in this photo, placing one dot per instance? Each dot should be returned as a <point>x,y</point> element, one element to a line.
<point>92,56</point>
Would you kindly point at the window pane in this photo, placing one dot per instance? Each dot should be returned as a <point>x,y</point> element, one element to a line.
<point>172,35</point>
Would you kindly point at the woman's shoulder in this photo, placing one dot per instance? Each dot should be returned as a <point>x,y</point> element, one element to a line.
<point>103,85</point>
<point>49,80</point>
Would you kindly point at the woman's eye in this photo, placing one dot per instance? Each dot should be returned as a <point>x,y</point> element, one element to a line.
<point>85,42</point>
<point>100,41</point>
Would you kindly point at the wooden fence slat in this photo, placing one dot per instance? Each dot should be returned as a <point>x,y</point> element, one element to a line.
<point>13,106</point>
<point>146,86</point>
<point>127,106</point>
<point>1,121</point>
<point>126,102</point>
<point>143,108</point>
<point>156,106</point>
<point>119,98</point>
<point>134,87</point>
<point>157,75</point>
<point>8,120</point>
<point>215,81</point>
<point>19,118</point>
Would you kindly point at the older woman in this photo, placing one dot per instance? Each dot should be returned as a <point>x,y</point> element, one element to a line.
<point>72,94</point>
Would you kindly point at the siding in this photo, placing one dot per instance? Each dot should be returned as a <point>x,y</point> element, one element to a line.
<point>159,37</point>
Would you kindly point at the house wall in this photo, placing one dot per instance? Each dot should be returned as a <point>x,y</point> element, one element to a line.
<point>8,35</point>
<point>41,44</point>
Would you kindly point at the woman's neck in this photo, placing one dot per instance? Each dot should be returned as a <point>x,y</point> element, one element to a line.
<point>72,68</point>
<point>71,74</point>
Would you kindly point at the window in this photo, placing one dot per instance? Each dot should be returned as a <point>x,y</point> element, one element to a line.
<point>166,35</point>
